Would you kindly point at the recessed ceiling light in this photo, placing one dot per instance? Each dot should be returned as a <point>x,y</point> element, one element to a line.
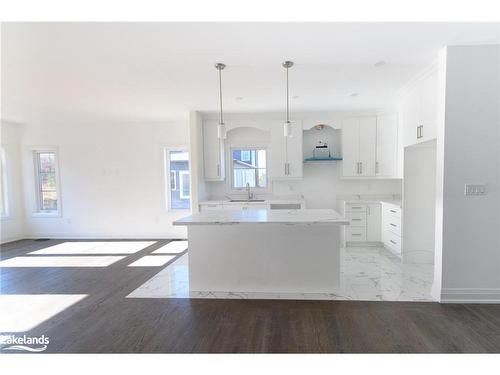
<point>239,98</point>
<point>354,94</point>
<point>379,63</point>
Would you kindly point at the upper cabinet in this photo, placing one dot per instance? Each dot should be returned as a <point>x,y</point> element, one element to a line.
<point>359,136</point>
<point>213,153</point>
<point>387,146</point>
<point>419,109</point>
<point>370,146</point>
<point>286,152</point>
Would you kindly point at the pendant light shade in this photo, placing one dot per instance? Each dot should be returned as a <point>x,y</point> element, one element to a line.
<point>287,126</point>
<point>221,127</point>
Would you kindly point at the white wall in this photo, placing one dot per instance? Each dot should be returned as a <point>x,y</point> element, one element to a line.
<point>12,226</point>
<point>112,179</point>
<point>419,202</point>
<point>470,235</point>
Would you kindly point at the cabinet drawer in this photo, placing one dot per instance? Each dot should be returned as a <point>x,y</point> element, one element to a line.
<point>393,242</point>
<point>356,219</point>
<point>355,234</point>
<point>391,210</point>
<point>211,207</point>
<point>392,224</point>
<point>352,207</point>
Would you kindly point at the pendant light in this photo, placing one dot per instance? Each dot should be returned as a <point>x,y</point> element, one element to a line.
<point>287,126</point>
<point>221,127</point>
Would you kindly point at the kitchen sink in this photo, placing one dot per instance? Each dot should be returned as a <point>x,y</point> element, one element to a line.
<point>247,200</point>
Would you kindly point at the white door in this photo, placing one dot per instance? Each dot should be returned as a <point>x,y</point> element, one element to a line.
<point>295,157</point>
<point>387,145</point>
<point>410,116</point>
<point>429,96</point>
<point>277,156</point>
<point>373,222</point>
<point>367,145</point>
<point>350,147</point>
<point>213,153</point>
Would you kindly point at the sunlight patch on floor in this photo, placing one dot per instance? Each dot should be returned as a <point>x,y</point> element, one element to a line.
<point>91,247</point>
<point>60,261</point>
<point>20,313</point>
<point>152,261</point>
<point>174,247</point>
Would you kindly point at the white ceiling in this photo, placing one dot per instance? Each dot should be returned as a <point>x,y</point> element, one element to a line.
<point>160,71</point>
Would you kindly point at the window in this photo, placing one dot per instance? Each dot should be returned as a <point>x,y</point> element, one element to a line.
<point>46,181</point>
<point>179,192</point>
<point>249,167</point>
<point>4,211</point>
<point>173,181</point>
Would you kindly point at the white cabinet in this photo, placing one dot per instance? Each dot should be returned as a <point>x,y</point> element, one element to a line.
<point>213,153</point>
<point>387,146</point>
<point>420,109</point>
<point>286,156</point>
<point>373,222</point>
<point>364,222</point>
<point>391,227</point>
<point>359,137</point>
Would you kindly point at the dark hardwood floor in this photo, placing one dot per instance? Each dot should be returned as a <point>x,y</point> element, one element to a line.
<point>107,322</point>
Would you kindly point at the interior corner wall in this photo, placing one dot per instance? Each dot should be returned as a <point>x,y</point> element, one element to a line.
<point>112,178</point>
<point>12,226</point>
<point>470,239</point>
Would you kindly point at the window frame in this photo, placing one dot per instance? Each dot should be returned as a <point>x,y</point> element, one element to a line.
<point>231,168</point>
<point>38,211</point>
<point>167,179</point>
<point>5,214</point>
<point>181,184</point>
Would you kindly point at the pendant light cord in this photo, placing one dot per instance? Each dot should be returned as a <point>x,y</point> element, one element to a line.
<point>287,98</point>
<point>220,95</point>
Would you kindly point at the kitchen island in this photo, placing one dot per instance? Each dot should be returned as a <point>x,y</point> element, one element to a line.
<point>264,251</point>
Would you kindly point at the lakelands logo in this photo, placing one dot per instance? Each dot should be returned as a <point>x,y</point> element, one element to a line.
<point>24,343</point>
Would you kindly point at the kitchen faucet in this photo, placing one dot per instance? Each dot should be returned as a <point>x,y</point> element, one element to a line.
<point>250,195</point>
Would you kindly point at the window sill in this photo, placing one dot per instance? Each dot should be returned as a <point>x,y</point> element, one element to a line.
<point>46,214</point>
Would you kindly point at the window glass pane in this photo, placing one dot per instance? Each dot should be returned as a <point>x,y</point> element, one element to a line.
<point>180,190</point>
<point>249,167</point>
<point>47,161</point>
<point>48,181</point>
<point>49,200</point>
<point>3,198</point>
<point>47,184</point>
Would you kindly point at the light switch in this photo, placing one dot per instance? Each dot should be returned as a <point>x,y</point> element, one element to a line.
<point>475,189</point>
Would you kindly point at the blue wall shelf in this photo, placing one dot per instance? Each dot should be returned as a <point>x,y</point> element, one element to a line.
<point>333,158</point>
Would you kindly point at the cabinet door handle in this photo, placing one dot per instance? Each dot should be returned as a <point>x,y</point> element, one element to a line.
<point>357,167</point>
<point>218,170</point>
<point>356,207</point>
<point>394,225</point>
<point>356,234</point>
<point>392,242</point>
<point>418,132</point>
<point>360,168</point>
<point>356,219</point>
<point>393,211</point>
<point>285,168</point>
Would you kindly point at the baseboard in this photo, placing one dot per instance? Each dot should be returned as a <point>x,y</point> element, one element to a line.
<point>11,239</point>
<point>470,295</point>
<point>162,236</point>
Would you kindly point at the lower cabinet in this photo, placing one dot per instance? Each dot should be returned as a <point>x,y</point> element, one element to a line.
<point>391,227</point>
<point>364,222</point>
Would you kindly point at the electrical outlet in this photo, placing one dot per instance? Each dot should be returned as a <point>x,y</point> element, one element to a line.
<point>475,189</point>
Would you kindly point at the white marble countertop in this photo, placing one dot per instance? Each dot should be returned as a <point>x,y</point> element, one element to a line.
<point>368,201</point>
<point>305,216</point>
<point>255,201</point>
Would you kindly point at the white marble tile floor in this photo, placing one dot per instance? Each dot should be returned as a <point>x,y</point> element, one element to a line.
<point>367,273</point>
